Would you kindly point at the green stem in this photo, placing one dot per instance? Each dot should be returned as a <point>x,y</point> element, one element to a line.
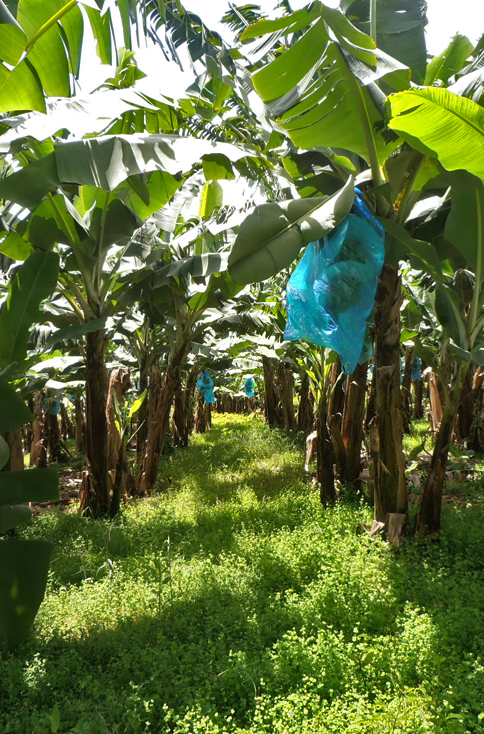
<point>50,23</point>
<point>71,292</point>
<point>474,312</point>
<point>91,293</point>
<point>412,172</point>
<point>98,268</point>
<point>171,338</point>
<point>383,206</point>
<point>373,20</point>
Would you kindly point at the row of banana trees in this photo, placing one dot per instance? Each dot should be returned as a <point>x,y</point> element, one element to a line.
<point>74,213</point>
<point>335,91</point>
<point>123,233</point>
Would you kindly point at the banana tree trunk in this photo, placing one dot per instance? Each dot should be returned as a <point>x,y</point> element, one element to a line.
<point>209,415</point>
<point>336,394</point>
<point>270,400</point>
<point>371,402</point>
<point>180,418</point>
<point>418,396</point>
<point>153,396</point>
<point>406,390</point>
<point>80,425</point>
<point>428,521</point>
<point>16,459</point>
<point>201,416</point>
<point>389,468</point>
<point>118,466</point>
<point>143,412</point>
<point>335,416</point>
<point>38,453</point>
<point>183,413</point>
<point>305,414</point>
<point>67,428</point>
<point>95,491</point>
<point>286,383</point>
<point>53,437</point>
<point>352,428</point>
<point>28,430</point>
<point>190,387</point>
<point>159,421</point>
<point>436,410</point>
<point>465,415</point>
<point>476,440</point>
<point>430,508</point>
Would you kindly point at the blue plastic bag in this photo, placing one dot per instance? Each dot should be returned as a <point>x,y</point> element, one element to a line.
<point>55,407</point>
<point>205,387</point>
<point>249,387</point>
<point>331,293</point>
<point>417,369</point>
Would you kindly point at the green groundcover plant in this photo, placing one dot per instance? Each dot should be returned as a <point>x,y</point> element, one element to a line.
<point>231,602</point>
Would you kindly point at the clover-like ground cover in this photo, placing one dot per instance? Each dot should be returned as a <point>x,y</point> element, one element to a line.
<point>231,602</point>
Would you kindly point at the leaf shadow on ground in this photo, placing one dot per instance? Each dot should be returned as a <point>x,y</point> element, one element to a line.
<point>235,586</point>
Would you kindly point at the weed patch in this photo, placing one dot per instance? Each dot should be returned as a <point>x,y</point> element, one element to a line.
<point>232,603</point>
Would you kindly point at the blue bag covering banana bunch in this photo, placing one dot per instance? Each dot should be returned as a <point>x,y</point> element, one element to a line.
<point>205,387</point>
<point>331,293</point>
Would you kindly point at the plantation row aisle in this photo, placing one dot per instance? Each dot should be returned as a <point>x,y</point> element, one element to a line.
<point>232,602</point>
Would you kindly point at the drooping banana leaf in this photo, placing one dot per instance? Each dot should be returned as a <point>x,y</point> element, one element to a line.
<point>106,161</point>
<point>33,282</point>
<point>464,227</point>
<point>322,90</point>
<point>11,516</point>
<point>198,266</point>
<point>272,236</point>
<point>36,485</point>
<point>23,577</point>
<point>13,410</point>
<point>450,61</point>
<point>400,30</point>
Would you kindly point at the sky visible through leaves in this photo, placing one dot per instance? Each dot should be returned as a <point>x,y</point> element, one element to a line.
<point>446,18</point>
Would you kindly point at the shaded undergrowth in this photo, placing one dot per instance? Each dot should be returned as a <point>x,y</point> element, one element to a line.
<point>230,602</point>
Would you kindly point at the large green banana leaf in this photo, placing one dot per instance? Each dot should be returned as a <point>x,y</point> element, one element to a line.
<point>442,125</point>
<point>465,224</point>
<point>13,411</point>
<point>43,44</point>
<point>11,516</point>
<point>399,26</point>
<point>77,331</point>
<point>35,485</point>
<point>271,238</point>
<point>322,90</point>
<point>450,61</point>
<point>105,162</point>
<point>198,266</point>
<point>34,281</point>
<point>23,577</point>
<point>23,565</point>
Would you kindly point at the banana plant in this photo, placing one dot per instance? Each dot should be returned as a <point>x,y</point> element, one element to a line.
<point>185,294</point>
<point>86,199</point>
<point>334,73</point>
<point>452,309</point>
<point>335,86</point>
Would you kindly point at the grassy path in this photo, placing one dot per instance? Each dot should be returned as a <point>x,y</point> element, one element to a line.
<point>232,603</point>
